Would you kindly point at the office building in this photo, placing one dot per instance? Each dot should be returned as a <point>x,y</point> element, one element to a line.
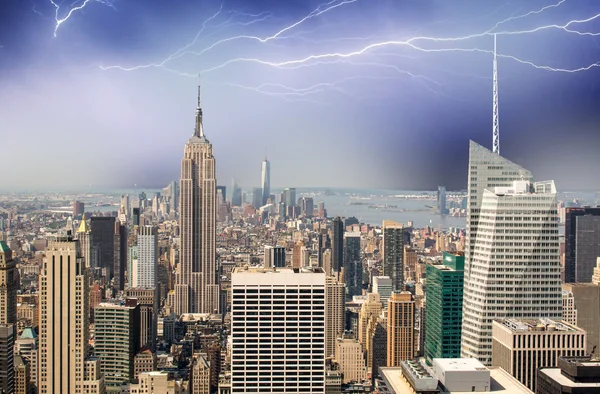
<point>572,375</point>
<point>523,346</point>
<point>501,263</point>
<point>369,309</point>
<point>120,248</point>
<point>147,251</point>
<point>200,379</point>
<point>335,316</point>
<point>393,253</point>
<point>116,340</point>
<point>444,307</point>
<point>158,382</point>
<point>596,273</point>
<point>441,200</point>
<point>135,216</point>
<point>289,194</point>
<point>587,304</point>
<point>78,209</point>
<point>265,181</point>
<point>84,239</point>
<point>278,330</point>
<point>257,197</point>
<point>147,300</point>
<point>7,369</point>
<point>236,194</point>
<point>22,380</point>
<point>9,284</point>
<point>569,312</point>
<point>133,262</point>
<point>382,285</point>
<point>377,346</point>
<point>64,317</point>
<point>274,256</point>
<point>102,244</point>
<point>350,357</point>
<point>323,244</point>
<point>353,268</point>
<point>221,193</point>
<point>400,328</point>
<point>27,346</point>
<point>337,245</point>
<point>144,361</point>
<point>582,243</point>
<point>307,206</point>
<point>196,288</point>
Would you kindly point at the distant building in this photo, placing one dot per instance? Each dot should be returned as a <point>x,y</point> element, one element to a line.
<point>265,180</point>
<point>444,307</point>
<point>147,267</point>
<point>144,361</point>
<point>222,192</point>
<point>9,284</point>
<point>102,243</point>
<point>337,245</point>
<point>78,209</point>
<point>236,195</point>
<point>572,375</point>
<point>582,243</point>
<point>401,328</point>
<point>441,200</point>
<point>393,253</point>
<point>382,285</point>
<point>257,197</point>
<point>523,346</point>
<point>353,267</point>
<point>569,311</point>
<point>289,194</point>
<point>334,313</point>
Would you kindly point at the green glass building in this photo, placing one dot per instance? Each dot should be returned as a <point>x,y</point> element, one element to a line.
<point>443,315</point>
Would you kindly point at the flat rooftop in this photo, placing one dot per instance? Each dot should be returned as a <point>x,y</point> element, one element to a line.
<point>460,364</point>
<point>262,270</point>
<point>539,325</point>
<point>558,377</point>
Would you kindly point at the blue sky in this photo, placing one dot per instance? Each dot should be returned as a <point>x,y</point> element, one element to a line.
<point>343,98</point>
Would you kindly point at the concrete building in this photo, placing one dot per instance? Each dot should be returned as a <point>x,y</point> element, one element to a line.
<point>377,347</point>
<point>274,256</point>
<point>353,268</point>
<point>382,285</point>
<point>9,283</point>
<point>22,381</point>
<point>158,383</point>
<point>147,300</point>
<point>569,311</point>
<point>337,245</point>
<point>291,306</point>
<point>7,369</point>
<point>27,346</point>
<point>196,288</point>
<point>335,316</point>
<point>117,341</point>
<point>147,251</point>
<point>400,328</point>
<point>443,319</point>
<point>64,322</point>
<point>349,355</point>
<point>370,308</point>
<point>582,243</point>
<point>573,375</point>
<point>200,379</point>
<point>393,253</point>
<point>501,264</point>
<point>587,304</point>
<point>144,361</point>
<point>596,274</point>
<point>523,346</point>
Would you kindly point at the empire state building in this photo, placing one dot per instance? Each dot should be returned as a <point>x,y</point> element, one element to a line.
<point>196,288</point>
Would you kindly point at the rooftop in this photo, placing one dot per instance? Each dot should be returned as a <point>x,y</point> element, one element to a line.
<point>460,364</point>
<point>556,375</point>
<point>275,270</point>
<point>541,325</point>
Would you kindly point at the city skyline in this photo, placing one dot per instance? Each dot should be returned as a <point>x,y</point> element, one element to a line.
<point>535,104</point>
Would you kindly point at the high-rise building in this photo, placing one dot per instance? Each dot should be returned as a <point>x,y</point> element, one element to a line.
<point>582,243</point>
<point>84,238</point>
<point>337,245</point>
<point>236,194</point>
<point>222,193</point>
<point>290,196</point>
<point>197,289</point>
<point>135,216</point>
<point>444,307</point>
<point>520,347</point>
<point>78,209</point>
<point>400,328</point>
<point>200,371</point>
<point>587,305</point>
<point>147,251</point>
<point>27,347</point>
<point>278,330</point>
<point>370,308</point>
<point>120,248</point>
<point>353,268</point>
<point>335,313</point>
<point>378,346</point>
<point>573,375</point>
<point>307,206</point>
<point>349,354</point>
<point>102,244</point>
<point>22,381</point>
<point>323,243</point>
<point>511,251</point>
<point>393,253</point>
<point>7,369</point>
<point>117,340</point>
<point>568,308</point>
<point>64,316</point>
<point>9,284</point>
<point>274,256</point>
<point>441,200</point>
<point>158,382</point>
<point>144,361</point>
<point>382,285</point>
<point>147,299</point>
<point>265,180</point>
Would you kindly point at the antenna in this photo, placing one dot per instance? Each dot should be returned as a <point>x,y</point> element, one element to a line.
<point>496,130</point>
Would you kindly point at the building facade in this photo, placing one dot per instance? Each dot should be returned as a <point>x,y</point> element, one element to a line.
<point>353,268</point>
<point>265,180</point>
<point>9,283</point>
<point>582,237</point>
<point>335,313</point>
<point>147,252</point>
<point>401,328</point>
<point>393,253</point>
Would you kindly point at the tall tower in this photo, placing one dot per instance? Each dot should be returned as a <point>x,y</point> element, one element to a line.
<point>496,131</point>
<point>147,258</point>
<point>64,331</point>
<point>400,328</point>
<point>196,289</point>
<point>393,253</point>
<point>512,229</point>
<point>335,313</point>
<point>8,286</point>
<point>265,180</point>
<point>337,245</point>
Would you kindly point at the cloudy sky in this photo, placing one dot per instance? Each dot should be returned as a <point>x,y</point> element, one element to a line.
<point>345,93</point>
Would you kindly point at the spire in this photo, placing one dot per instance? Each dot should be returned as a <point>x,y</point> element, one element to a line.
<point>199,131</point>
<point>496,130</point>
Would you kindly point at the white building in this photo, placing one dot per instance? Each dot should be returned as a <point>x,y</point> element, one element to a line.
<point>278,330</point>
<point>147,263</point>
<point>512,267</point>
<point>349,355</point>
<point>569,311</point>
<point>382,285</point>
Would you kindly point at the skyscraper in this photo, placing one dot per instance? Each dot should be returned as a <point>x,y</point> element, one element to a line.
<point>257,197</point>
<point>120,250</point>
<point>337,245</point>
<point>290,196</point>
<point>102,243</point>
<point>512,250</point>
<point>335,313</point>
<point>265,180</point>
<point>147,251</point>
<point>7,369</point>
<point>443,320</point>
<point>197,289</point>
<point>236,195</point>
<point>441,200</point>
<point>63,319</point>
<point>393,253</point>
<point>278,330</point>
<point>353,268</point>
<point>582,243</point>
<point>400,328</point>
<point>8,286</point>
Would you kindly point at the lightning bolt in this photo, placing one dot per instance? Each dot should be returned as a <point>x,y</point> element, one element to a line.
<point>418,44</point>
<point>75,8</point>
